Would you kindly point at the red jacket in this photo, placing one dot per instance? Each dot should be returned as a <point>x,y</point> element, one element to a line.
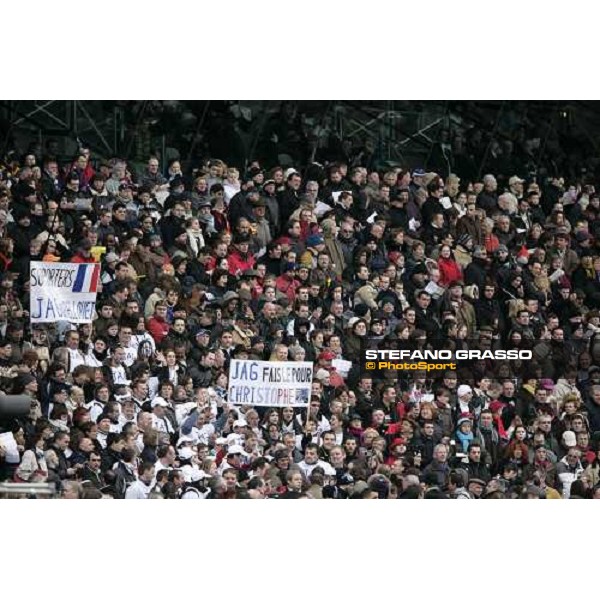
<point>82,259</point>
<point>238,263</point>
<point>449,271</point>
<point>158,329</point>
<point>287,286</point>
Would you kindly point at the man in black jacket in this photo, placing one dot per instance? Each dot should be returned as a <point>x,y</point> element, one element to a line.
<point>289,200</point>
<point>92,471</point>
<point>115,443</point>
<point>476,468</point>
<point>60,444</point>
<point>488,198</point>
<point>593,409</point>
<point>202,372</point>
<point>476,270</point>
<point>425,315</point>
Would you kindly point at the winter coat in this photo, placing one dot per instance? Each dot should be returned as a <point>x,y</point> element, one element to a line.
<point>450,271</point>
<point>366,295</point>
<point>32,463</point>
<point>239,263</point>
<point>440,470</point>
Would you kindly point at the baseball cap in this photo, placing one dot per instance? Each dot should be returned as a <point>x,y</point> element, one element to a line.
<point>158,401</point>
<point>233,439</point>
<point>192,474</point>
<point>236,449</point>
<point>326,355</point>
<point>464,389</point>
<point>184,439</point>
<point>240,423</point>
<point>345,479</point>
<point>185,453</point>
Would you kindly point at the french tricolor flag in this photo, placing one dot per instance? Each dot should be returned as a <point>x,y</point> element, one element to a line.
<point>86,279</point>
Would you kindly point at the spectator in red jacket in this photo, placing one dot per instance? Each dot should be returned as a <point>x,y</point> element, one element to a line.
<point>450,270</point>
<point>157,325</point>
<point>83,254</point>
<point>240,259</point>
<point>287,283</point>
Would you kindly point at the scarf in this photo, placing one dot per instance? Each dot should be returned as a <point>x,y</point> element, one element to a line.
<point>208,221</point>
<point>465,439</point>
<point>100,356</point>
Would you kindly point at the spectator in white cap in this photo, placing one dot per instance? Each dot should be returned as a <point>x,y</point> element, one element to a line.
<point>515,184</point>
<point>239,426</point>
<point>159,420</point>
<point>464,394</point>
<point>194,487</point>
<point>233,459</point>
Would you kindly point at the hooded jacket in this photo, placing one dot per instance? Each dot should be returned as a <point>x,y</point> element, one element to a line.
<point>334,248</point>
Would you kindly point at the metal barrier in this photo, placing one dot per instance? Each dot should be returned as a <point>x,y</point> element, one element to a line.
<point>32,491</point>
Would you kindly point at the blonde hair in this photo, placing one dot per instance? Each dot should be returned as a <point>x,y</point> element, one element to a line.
<point>514,307</point>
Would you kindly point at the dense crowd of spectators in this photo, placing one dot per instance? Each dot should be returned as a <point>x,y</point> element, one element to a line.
<point>302,263</point>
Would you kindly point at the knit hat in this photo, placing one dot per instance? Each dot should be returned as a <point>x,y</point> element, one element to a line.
<point>496,406</point>
<point>314,240</point>
<point>419,268</point>
<point>397,442</point>
<point>463,420</point>
<point>523,256</point>
<point>464,389</point>
<point>464,239</point>
<point>241,238</point>
<point>322,374</point>
<point>569,439</point>
<point>582,236</point>
<point>361,310</point>
<point>501,248</point>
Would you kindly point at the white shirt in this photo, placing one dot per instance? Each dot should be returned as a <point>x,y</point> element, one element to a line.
<point>76,358</point>
<point>123,421</point>
<point>138,490</point>
<point>119,376</point>
<point>230,191</point>
<point>137,339</point>
<point>96,409</point>
<point>101,437</point>
<point>163,425</point>
<point>130,355</point>
<point>290,327</point>
<point>91,361</point>
<point>308,469</point>
<point>193,494</point>
<point>202,435</point>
